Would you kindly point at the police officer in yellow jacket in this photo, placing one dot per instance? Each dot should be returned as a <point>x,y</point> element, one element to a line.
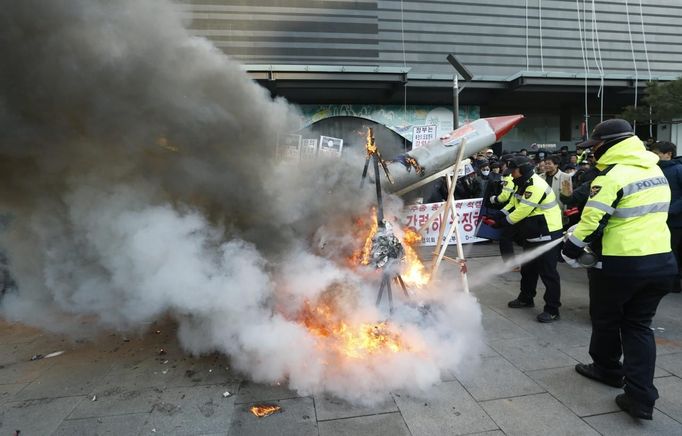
<point>534,213</point>
<point>507,190</point>
<point>500,200</point>
<point>624,222</point>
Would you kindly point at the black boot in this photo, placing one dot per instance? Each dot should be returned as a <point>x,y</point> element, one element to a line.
<point>546,317</point>
<point>518,303</point>
<point>633,408</point>
<point>600,375</point>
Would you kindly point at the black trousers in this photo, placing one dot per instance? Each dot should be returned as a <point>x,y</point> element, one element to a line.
<point>675,239</point>
<point>506,248</point>
<point>621,310</point>
<point>507,243</point>
<point>544,267</point>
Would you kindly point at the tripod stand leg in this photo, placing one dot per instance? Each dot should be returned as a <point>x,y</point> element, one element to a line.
<point>364,172</point>
<point>402,285</point>
<point>380,199</point>
<point>381,290</point>
<point>390,294</point>
<point>383,165</point>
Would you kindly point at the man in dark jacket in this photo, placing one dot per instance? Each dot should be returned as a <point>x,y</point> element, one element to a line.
<point>581,190</point>
<point>563,157</point>
<point>580,194</point>
<point>490,183</point>
<point>502,195</point>
<point>468,186</point>
<point>672,169</point>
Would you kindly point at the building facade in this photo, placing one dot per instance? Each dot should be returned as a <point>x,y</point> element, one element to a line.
<point>565,64</point>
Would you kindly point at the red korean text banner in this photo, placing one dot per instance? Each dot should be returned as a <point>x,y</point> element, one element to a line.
<point>416,215</point>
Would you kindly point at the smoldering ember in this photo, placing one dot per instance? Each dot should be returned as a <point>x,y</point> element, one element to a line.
<point>223,217</point>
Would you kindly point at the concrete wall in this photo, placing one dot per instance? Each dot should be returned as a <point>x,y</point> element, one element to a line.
<point>489,36</point>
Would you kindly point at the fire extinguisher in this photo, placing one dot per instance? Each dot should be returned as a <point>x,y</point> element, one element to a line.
<point>587,258</point>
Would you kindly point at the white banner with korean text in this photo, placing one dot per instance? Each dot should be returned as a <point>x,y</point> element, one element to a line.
<point>423,135</point>
<point>416,215</point>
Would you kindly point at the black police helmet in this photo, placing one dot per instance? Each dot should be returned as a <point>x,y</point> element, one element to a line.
<point>524,165</point>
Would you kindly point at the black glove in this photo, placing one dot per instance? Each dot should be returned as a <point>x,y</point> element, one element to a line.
<point>571,250</point>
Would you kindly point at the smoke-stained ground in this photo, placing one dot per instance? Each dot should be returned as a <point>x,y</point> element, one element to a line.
<point>138,174</point>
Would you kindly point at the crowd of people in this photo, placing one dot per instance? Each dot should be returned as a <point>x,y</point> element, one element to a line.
<point>484,171</point>
<point>616,199</point>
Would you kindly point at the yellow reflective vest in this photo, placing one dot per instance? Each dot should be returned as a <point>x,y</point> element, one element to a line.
<point>625,215</point>
<point>534,210</point>
<point>507,190</point>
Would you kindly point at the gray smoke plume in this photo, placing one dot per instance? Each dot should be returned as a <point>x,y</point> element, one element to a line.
<point>138,174</point>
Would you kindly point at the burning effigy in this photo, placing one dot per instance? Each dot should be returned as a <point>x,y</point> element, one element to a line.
<point>139,180</point>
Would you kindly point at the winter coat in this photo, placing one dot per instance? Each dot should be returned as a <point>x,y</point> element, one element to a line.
<point>672,169</point>
<point>626,214</point>
<point>556,181</point>
<point>467,187</point>
<point>581,189</point>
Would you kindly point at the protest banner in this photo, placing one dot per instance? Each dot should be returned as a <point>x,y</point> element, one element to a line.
<point>330,147</point>
<point>289,147</point>
<point>423,135</point>
<point>416,215</point>
<point>309,149</point>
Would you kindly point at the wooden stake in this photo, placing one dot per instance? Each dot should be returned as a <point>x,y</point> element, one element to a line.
<point>445,217</point>
<point>441,246</point>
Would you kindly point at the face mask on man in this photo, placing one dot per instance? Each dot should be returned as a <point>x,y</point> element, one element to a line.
<point>485,172</point>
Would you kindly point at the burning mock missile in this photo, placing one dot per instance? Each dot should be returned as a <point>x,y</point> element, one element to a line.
<point>114,227</point>
<point>420,165</point>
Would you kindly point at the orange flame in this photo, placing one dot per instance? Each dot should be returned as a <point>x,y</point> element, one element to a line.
<point>354,341</point>
<point>370,145</point>
<point>362,255</point>
<point>262,410</point>
<point>414,274</point>
<point>411,237</point>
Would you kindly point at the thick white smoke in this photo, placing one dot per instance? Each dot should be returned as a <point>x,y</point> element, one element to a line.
<point>137,172</point>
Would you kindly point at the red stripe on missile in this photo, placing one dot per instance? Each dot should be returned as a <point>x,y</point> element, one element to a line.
<point>502,125</point>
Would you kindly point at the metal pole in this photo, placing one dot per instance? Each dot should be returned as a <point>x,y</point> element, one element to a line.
<point>364,172</point>
<point>380,200</point>
<point>455,103</point>
<point>390,294</point>
<point>381,289</point>
<point>402,285</point>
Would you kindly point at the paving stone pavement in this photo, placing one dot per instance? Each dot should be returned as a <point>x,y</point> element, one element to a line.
<point>525,383</point>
